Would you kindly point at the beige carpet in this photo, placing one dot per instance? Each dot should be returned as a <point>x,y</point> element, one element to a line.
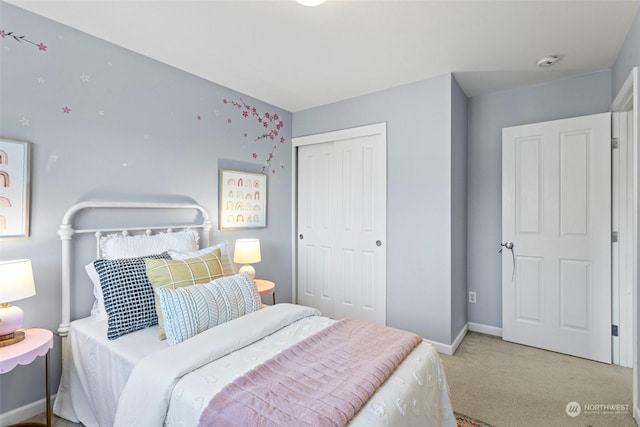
<point>510,385</point>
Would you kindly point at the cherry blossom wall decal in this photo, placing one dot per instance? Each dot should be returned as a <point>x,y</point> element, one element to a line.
<point>269,125</point>
<point>41,46</point>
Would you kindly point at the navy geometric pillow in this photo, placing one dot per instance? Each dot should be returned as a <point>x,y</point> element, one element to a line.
<point>128,295</point>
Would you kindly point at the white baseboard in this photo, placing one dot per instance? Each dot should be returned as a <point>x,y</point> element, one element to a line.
<point>459,338</point>
<point>449,349</point>
<point>24,412</point>
<point>636,414</point>
<point>485,329</point>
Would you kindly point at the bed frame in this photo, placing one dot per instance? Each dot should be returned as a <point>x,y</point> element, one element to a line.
<point>67,232</point>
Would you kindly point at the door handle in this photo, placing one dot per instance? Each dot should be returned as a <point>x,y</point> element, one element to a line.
<point>378,243</point>
<point>509,245</point>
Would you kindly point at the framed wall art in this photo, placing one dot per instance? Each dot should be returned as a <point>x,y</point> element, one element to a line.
<point>14,189</point>
<point>243,200</point>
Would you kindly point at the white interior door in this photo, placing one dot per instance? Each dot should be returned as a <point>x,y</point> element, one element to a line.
<point>556,210</point>
<point>341,223</point>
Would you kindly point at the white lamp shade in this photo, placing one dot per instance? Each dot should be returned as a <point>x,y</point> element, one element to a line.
<point>16,280</point>
<point>247,251</point>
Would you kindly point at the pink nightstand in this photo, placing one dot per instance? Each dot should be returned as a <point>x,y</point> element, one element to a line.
<point>37,342</point>
<point>266,288</point>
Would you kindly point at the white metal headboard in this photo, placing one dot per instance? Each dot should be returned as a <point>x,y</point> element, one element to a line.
<point>67,231</point>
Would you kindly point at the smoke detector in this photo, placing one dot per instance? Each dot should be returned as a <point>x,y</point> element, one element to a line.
<point>547,61</point>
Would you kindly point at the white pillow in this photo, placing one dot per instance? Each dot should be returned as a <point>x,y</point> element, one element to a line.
<point>225,258</point>
<point>116,246</point>
<point>98,312</point>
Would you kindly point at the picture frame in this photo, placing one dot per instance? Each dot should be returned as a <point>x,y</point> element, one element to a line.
<point>15,177</point>
<point>243,200</point>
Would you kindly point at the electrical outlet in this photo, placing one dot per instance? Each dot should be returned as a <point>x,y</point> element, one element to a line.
<point>472,297</point>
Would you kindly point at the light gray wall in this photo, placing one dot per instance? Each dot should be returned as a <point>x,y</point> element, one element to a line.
<point>458,209</point>
<point>628,57</point>
<point>419,195</point>
<point>137,130</point>
<point>488,114</point>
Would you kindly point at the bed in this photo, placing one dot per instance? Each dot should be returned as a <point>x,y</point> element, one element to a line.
<point>118,374</point>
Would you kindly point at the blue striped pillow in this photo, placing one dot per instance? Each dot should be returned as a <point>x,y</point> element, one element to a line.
<point>190,310</point>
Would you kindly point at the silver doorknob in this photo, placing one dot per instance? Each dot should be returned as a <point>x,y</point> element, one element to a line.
<point>508,245</point>
<point>378,243</point>
<point>301,237</point>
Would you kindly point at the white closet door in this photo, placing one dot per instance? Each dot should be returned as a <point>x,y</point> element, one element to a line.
<point>316,228</point>
<point>341,200</point>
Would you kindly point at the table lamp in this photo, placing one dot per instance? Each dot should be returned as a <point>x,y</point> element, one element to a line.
<point>16,283</point>
<point>247,251</point>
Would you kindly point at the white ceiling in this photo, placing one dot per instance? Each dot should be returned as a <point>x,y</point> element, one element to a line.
<point>298,57</point>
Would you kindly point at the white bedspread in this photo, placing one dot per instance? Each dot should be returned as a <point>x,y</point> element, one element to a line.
<point>416,392</point>
<point>96,369</point>
<point>151,383</point>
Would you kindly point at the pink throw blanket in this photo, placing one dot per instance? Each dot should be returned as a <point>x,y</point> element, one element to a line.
<point>323,380</point>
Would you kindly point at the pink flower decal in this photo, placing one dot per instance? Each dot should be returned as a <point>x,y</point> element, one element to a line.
<point>270,129</point>
<point>66,110</point>
<point>20,39</point>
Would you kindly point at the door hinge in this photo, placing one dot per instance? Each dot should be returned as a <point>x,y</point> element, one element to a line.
<point>614,330</point>
<point>614,236</point>
<point>614,143</point>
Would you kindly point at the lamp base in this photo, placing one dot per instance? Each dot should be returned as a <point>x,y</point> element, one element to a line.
<point>13,338</point>
<point>249,269</point>
<point>10,321</point>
